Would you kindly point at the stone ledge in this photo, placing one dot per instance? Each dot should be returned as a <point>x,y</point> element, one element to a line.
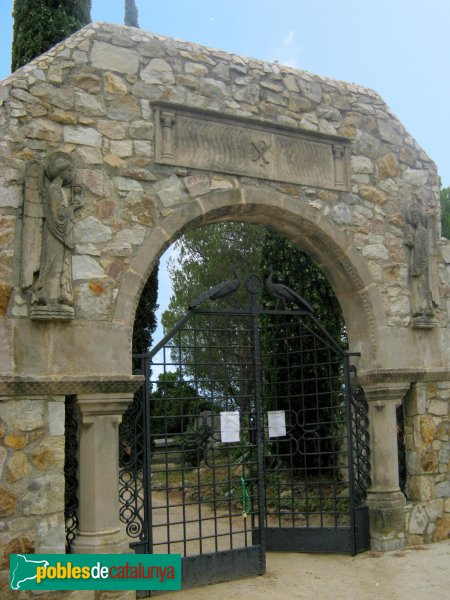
<point>66,386</point>
<point>403,376</point>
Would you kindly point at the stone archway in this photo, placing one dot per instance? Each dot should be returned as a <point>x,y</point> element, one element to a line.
<point>163,136</point>
<point>326,244</point>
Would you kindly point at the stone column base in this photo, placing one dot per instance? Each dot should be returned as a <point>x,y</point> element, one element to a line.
<point>387,520</point>
<point>108,542</point>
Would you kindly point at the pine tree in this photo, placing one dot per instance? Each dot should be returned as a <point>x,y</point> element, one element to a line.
<point>40,24</point>
<point>131,13</point>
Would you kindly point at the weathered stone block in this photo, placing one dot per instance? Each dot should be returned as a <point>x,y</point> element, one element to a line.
<point>94,302</point>
<point>8,502</point>
<point>17,441</point>
<point>3,456</point>
<point>23,544</point>
<point>388,166</point>
<point>424,431</point>
<point>435,509</point>
<point>48,454</point>
<point>56,416</point>
<point>135,235</point>
<point>10,196</point>
<point>198,185</point>
<point>44,495</point>
<point>375,251</point>
<point>18,467</point>
<point>114,84</point>
<point>5,293</point>
<point>50,534</point>
<point>89,104</point>
<point>442,531</point>
<point>443,489</point>
<point>418,521</point>
<point>372,194</point>
<point>123,148</point>
<point>123,108</point>
<point>438,408</point>
<point>170,191</point>
<point>85,136</point>
<point>421,488</point>
<point>429,461</point>
<point>416,400</point>
<point>114,58</point>
<point>158,71</point>
<point>91,230</point>
<point>86,267</point>
<point>25,415</point>
<point>361,164</point>
<point>111,129</point>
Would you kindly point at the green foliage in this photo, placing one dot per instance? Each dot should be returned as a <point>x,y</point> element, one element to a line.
<point>204,257</point>
<point>298,370</point>
<point>145,319</point>
<point>131,14</point>
<point>174,405</point>
<point>40,24</point>
<point>445,212</point>
<point>295,268</point>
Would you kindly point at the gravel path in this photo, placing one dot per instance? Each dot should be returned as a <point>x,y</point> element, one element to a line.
<point>417,573</point>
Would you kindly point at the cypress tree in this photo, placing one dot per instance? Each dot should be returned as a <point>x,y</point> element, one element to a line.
<point>145,319</point>
<point>131,13</point>
<point>40,24</point>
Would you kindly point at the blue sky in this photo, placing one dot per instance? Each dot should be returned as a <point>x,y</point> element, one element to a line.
<point>400,48</point>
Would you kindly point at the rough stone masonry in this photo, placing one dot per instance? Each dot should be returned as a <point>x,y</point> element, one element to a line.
<point>163,136</point>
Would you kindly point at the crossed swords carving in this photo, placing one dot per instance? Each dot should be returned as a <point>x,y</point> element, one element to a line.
<point>260,148</point>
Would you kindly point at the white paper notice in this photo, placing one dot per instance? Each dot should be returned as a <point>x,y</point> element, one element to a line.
<point>229,426</point>
<point>277,423</point>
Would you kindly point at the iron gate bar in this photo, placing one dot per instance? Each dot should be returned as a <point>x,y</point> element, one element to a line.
<point>353,543</point>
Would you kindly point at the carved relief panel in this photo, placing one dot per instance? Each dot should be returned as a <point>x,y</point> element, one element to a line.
<point>208,141</point>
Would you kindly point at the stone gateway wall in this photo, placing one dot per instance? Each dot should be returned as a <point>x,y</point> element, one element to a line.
<point>116,142</point>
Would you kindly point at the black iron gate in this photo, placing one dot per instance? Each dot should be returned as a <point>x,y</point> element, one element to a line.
<point>247,435</point>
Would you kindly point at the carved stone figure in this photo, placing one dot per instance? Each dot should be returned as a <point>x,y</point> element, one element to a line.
<point>51,259</point>
<point>417,239</point>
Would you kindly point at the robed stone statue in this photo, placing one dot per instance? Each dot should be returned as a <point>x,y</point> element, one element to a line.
<point>48,239</point>
<point>424,293</point>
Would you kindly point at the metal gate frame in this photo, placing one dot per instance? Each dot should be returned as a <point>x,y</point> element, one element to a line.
<point>136,496</point>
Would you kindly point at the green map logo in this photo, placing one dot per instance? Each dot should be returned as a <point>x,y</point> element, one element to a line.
<point>25,569</point>
<point>95,572</point>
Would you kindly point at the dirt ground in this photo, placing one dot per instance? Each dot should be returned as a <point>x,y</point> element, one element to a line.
<point>417,573</point>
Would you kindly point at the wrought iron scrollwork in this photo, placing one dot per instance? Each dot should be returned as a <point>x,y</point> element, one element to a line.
<point>361,439</point>
<point>70,471</point>
<point>131,458</point>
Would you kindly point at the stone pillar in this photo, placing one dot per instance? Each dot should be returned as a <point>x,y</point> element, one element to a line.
<point>100,528</point>
<point>385,500</point>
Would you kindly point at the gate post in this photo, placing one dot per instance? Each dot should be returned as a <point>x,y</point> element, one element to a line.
<point>100,530</point>
<point>385,500</point>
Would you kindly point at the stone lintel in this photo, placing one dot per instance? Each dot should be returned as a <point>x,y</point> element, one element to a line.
<point>68,386</point>
<point>385,376</point>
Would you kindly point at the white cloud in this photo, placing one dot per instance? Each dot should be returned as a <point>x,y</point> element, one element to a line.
<point>289,39</point>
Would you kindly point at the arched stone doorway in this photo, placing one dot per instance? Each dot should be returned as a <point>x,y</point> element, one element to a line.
<point>164,136</point>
